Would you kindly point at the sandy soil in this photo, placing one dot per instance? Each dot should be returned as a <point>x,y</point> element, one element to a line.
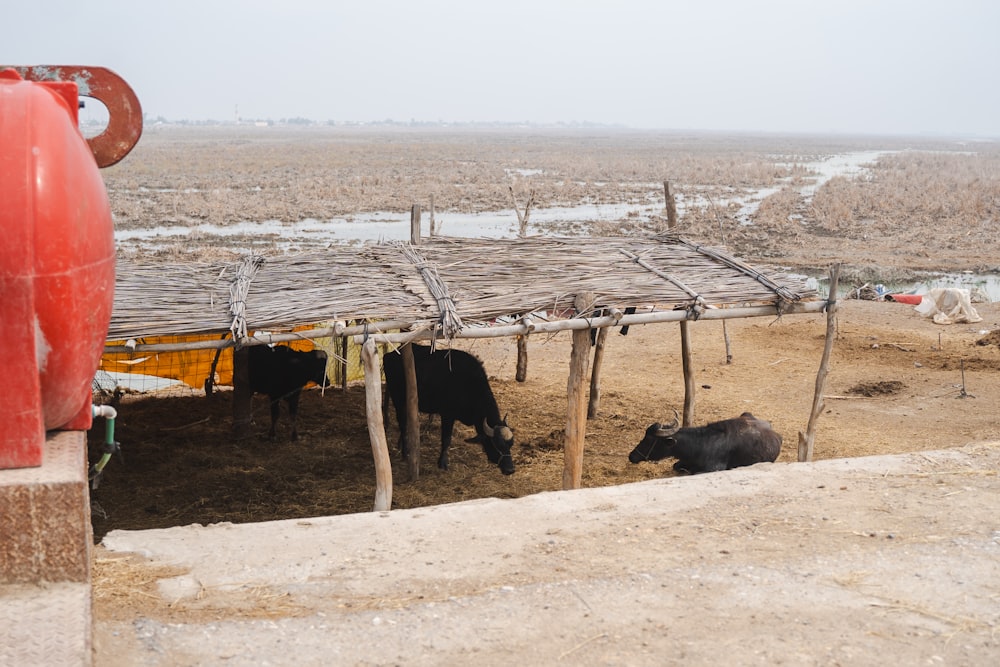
<point>898,383</point>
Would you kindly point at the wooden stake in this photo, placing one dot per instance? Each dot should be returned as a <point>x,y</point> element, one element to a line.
<point>688,374</point>
<point>433,225</point>
<point>345,365</point>
<point>725,337</point>
<point>412,413</point>
<point>415,224</point>
<point>576,421</point>
<point>522,358</point>
<point>671,205</point>
<point>210,380</point>
<point>806,439</point>
<point>595,374</point>
<point>376,427</point>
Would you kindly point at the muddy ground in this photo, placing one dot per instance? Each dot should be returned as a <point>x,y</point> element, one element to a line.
<point>897,383</point>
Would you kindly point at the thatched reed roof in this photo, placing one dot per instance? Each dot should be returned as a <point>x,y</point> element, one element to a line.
<point>444,282</point>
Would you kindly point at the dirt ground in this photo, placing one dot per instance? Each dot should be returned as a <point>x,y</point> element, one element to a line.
<point>867,561</point>
<point>898,383</point>
<point>623,578</point>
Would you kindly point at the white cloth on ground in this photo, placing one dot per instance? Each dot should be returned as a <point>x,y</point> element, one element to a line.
<point>948,305</point>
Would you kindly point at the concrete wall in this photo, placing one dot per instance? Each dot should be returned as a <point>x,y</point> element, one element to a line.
<point>45,556</point>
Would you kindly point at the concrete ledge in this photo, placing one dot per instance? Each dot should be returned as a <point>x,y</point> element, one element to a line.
<point>45,554</point>
<point>47,624</point>
<point>45,516</point>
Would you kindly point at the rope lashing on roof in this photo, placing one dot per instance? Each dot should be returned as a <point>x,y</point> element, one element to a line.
<point>238,290</point>
<point>783,292</point>
<point>489,278</point>
<point>697,306</point>
<point>451,321</point>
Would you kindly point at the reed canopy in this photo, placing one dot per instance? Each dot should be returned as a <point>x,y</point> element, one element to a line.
<point>445,286</point>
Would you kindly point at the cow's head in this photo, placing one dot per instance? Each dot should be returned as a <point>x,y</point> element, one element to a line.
<point>497,445</point>
<point>657,443</point>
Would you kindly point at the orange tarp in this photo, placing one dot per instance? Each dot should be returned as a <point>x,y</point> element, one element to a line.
<point>193,367</point>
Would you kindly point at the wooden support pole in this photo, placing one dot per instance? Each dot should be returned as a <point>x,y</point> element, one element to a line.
<point>376,427</point>
<point>595,374</point>
<point>576,323</point>
<point>433,225</point>
<point>242,395</point>
<point>358,331</point>
<point>415,224</point>
<point>522,358</point>
<point>412,413</point>
<point>345,364</point>
<point>671,205</point>
<point>263,339</point>
<point>807,439</point>
<point>688,374</point>
<point>725,337</point>
<point>212,377</point>
<point>576,420</point>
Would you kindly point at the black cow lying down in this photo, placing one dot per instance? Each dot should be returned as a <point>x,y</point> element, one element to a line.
<point>281,373</point>
<point>453,384</point>
<point>721,445</point>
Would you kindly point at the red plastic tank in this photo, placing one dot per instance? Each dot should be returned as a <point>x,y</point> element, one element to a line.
<point>57,266</point>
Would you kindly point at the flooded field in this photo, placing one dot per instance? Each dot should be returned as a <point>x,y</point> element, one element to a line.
<point>886,208</point>
<point>580,219</point>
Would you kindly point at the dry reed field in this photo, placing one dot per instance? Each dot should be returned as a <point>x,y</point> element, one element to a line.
<point>898,382</point>
<point>924,204</point>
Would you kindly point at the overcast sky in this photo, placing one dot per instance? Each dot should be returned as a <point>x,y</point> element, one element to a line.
<point>872,66</point>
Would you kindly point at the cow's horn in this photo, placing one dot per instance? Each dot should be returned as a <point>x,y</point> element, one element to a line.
<point>669,429</point>
<point>486,428</point>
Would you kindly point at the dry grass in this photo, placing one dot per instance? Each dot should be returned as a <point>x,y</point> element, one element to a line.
<point>126,583</point>
<point>216,174</point>
<point>935,202</point>
<point>930,210</point>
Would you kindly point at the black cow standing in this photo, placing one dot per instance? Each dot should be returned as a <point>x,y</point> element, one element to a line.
<point>453,384</point>
<point>721,445</point>
<point>281,373</point>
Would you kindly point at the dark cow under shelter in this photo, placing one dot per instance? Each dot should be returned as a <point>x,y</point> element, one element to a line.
<point>281,373</point>
<point>721,445</point>
<point>452,383</point>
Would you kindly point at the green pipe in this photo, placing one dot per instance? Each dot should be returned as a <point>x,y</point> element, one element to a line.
<point>110,446</point>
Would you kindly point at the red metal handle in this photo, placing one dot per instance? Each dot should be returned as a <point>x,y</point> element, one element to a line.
<point>124,112</point>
